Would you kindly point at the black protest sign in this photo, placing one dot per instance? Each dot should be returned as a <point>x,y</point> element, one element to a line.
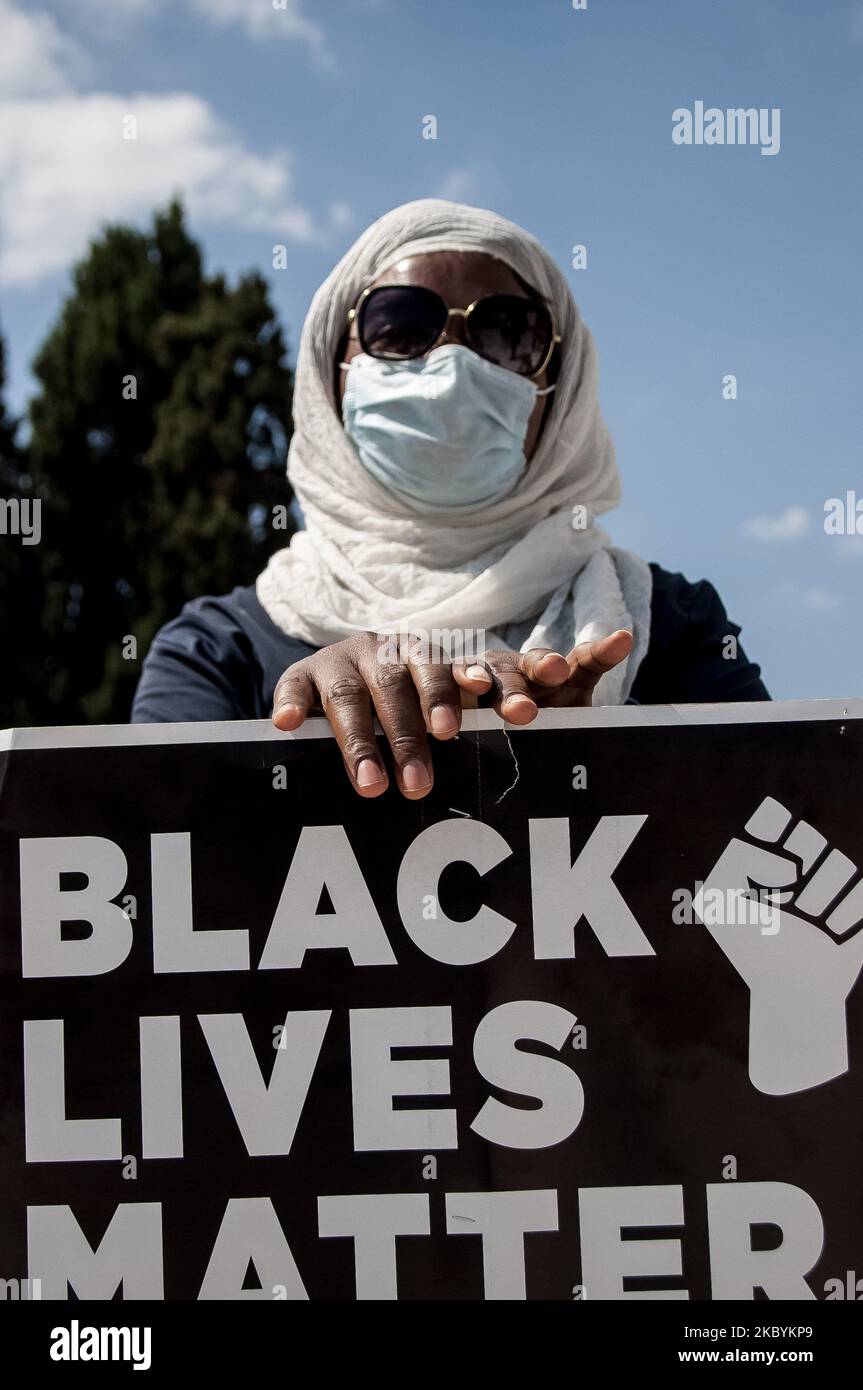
<point>580,1024</point>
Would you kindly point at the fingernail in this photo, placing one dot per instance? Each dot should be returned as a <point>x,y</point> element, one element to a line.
<point>443,721</point>
<point>477,673</point>
<point>519,710</point>
<point>415,776</point>
<point>368,773</point>
<point>287,708</point>
<point>513,700</point>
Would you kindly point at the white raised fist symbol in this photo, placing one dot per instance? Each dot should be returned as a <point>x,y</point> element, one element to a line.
<point>801,968</point>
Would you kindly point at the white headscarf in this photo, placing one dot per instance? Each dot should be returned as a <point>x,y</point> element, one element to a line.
<point>520,570</point>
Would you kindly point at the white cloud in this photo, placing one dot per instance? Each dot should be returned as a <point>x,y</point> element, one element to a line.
<point>808,598</point>
<point>35,55</point>
<point>847,548</point>
<point>341,216</point>
<point>261,19</point>
<point>118,9</point>
<point>456,186</point>
<point>786,527</point>
<point>815,598</point>
<point>65,168</point>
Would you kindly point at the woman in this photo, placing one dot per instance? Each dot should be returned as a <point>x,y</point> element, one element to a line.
<point>449,457</point>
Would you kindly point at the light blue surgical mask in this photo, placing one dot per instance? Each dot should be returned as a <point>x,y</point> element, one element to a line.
<point>444,432</point>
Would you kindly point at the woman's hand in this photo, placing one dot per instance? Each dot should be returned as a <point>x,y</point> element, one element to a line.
<point>423,692</point>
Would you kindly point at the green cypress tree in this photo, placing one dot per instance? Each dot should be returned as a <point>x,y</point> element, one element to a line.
<point>22,667</point>
<point>9,453</point>
<point>159,433</point>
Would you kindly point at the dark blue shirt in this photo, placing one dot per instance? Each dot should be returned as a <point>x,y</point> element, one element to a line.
<point>221,658</point>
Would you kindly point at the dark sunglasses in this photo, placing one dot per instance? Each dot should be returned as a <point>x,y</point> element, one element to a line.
<point>401,322</point>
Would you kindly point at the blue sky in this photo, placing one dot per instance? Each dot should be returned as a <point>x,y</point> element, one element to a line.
<point>300,125</point>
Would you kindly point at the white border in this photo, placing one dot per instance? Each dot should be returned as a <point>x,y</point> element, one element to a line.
<point>600,717</point>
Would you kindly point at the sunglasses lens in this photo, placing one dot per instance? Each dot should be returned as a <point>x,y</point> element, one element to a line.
<point>513,332</point>
<point>400,321</point>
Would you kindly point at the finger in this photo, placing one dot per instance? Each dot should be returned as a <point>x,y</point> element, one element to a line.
<point>769,821</point>
<point>511,696</point>
<point>826,883</point>
<point>589,661</point>
<point>472,677</point>
<point>397,706</point>
<point>348,707</point>
<point>293,697</point>
<point>544,667</point>
<point>849,913</point>
<point>806,842</point>
<point>439,695</point>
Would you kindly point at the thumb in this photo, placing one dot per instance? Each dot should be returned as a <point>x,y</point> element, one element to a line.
<point>593,659</point>
<point>742,862</point>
